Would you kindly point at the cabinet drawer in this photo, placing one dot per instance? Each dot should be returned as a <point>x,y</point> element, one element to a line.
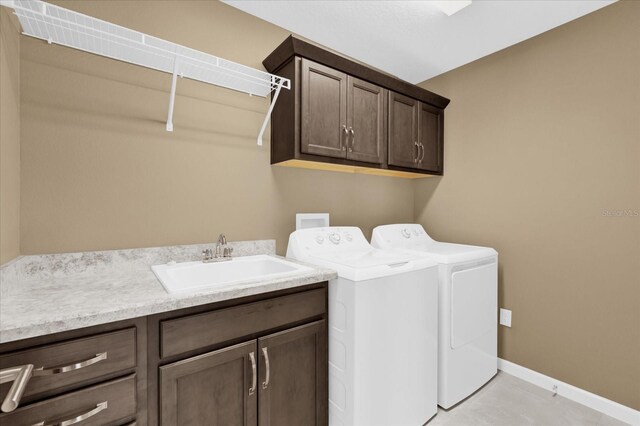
<point>202,330</point>
<point>105,404</point>
<point>75,361</point>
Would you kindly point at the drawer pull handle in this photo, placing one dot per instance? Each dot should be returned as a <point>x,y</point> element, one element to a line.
<point>20,377</point>
<point>266,363</point>
<point>254,370</point>
<point>101,406</point>
<point>41,371</point>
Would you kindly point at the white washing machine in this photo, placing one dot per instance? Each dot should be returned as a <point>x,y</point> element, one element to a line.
<point>468,308</point>
<point>383,331</point>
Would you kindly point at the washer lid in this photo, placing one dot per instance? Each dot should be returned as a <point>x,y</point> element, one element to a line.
<point>453,253</point>
<point>369,264</point>
<point>366,258</point>
<point>412,238</point>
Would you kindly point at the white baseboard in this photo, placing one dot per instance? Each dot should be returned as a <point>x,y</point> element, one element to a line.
<point>581,396</point>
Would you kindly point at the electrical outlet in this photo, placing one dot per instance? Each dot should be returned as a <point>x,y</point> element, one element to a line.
<point>505,317</point>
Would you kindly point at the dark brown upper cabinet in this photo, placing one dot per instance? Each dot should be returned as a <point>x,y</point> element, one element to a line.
<point>415,134</point>
<point>365,121</point>
<point>403,131</point>
<point>324,111</point>
<point>430,138</point>
<point>345,116</point>
<point>338,110</point>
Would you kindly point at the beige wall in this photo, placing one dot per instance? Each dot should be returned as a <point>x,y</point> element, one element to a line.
<point>541,138</point>
<point>100,171</point>
<point>9,136</point>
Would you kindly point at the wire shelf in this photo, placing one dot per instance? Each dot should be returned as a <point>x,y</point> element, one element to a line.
<point>72,29</point>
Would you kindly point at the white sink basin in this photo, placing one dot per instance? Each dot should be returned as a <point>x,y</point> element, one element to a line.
<point>190,276</point>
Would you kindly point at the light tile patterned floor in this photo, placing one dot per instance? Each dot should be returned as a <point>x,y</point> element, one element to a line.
<point>509,401</point>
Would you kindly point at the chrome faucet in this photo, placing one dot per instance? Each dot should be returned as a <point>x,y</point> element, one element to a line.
<point>220,254</point>
<point>221,244</point>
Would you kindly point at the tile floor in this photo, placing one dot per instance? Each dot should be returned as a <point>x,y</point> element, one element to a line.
<point>509,401</point>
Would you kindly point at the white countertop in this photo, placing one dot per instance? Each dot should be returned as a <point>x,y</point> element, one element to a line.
<point>49,301</point>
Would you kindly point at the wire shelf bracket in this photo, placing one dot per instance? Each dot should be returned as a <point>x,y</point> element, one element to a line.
<point>65,27</point>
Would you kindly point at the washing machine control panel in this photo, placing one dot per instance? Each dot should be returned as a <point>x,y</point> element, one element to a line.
<point>330,238</point>
<point>412,232</point>
<point>400,235</point>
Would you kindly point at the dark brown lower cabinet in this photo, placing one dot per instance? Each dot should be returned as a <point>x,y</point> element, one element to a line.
<point>105,404</point>
<point>91,376</point>
<point>109,403</point>
<point>275,380</point>
<point>257,360</point>
<point>292,384</point>
<point>218,388</point>
<point>99,355</point>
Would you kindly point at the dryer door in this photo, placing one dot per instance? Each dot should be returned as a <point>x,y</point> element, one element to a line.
<point>474,303</point>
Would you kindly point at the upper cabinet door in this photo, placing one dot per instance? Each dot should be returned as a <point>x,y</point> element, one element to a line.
<point>403,130</point>
<point>365,121</point>
<point>216,388</point>
<point>431,123</point>
<point>293,371</point>
<point>323,110</point>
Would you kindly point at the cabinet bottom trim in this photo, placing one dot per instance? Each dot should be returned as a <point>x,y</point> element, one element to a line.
<point>343,168</point>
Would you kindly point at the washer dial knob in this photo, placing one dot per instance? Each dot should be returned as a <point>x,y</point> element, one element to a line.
<point>334,238</point>
<point>405,233</point>
<point>319,239</point>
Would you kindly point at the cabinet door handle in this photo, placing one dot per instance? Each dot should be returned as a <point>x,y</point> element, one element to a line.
<point>101,406</point>
<point>41,371</point>
<point>254,371</point>
<point>353,138</point>
<point>416,154</point>
<point>421,156</point>
<point>268,372</point>
<point>346,136</point>
<point>20,377</point>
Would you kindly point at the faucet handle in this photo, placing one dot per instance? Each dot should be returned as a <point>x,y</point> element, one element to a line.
<point>227,251</point>
<point>207,254</point>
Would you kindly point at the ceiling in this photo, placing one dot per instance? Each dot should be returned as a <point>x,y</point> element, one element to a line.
<point>415,40</point>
